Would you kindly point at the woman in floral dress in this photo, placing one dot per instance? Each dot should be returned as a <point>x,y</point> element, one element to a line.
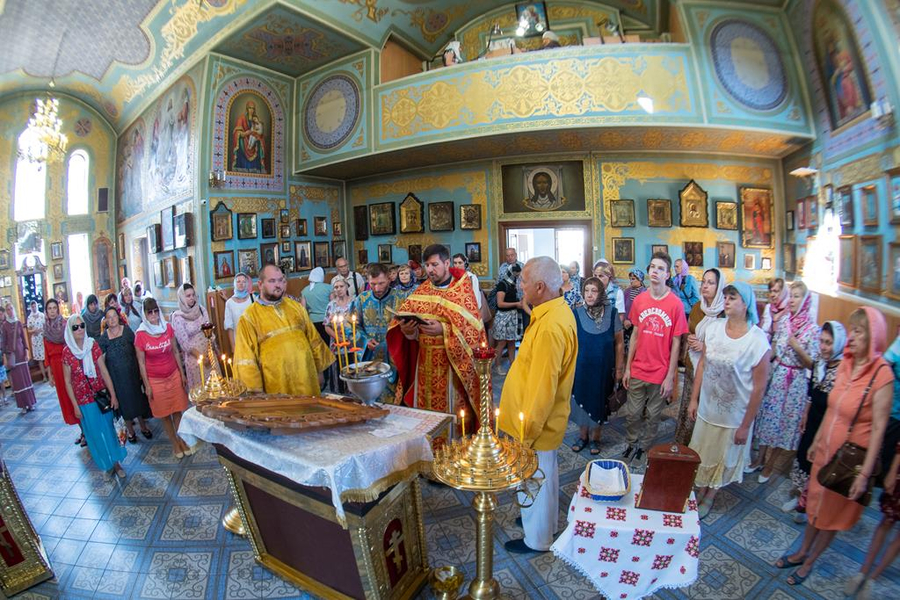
<point>795,346</point>
<point>186,322</point>
<point>35,324</point>
<point>571,294</point>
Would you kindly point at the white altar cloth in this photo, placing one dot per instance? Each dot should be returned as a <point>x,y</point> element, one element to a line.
<point>350,461</point>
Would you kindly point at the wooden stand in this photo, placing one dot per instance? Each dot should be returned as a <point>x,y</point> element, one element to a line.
<point>294,531</point>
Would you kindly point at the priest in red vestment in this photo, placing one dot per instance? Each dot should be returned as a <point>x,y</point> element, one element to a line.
<point>435,367</point>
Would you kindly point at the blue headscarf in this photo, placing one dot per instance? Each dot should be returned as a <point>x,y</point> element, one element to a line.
<point>749,299</point>
<point>637,273</point>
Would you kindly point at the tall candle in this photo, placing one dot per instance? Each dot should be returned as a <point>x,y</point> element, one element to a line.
<point>231,368</point>
<point>337,340</point>
<point>462,416</point>
<point>200,364</point>
<point>497,422</point>
<point>522,427</point>
<point>353,322</point>
<point>224,367</point>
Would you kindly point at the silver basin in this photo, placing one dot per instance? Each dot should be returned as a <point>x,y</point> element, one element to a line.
<point>368,386</point>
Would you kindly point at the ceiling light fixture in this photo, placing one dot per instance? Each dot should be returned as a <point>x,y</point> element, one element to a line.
<point>43,139</point>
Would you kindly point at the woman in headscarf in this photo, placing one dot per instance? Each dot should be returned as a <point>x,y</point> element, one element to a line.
<point>406,282</point>
<point>462,263</point>
<point>85,375</point>
<point>161,371</point>
<point>710,308</point>
<point>685,286</point>
<point>315,298</point>
<point>15,359</point>
<point>54,344</point>
<point>858,409</point>
<point>338,307</point>
<point>92,316</point>
<point>731,375</point>
<point>112,301</point>
<point>78,305</point>
<point>35,326</point>
<point>571,294</point>
<point>832,339</point>
<point>120,360</point>
<point>599,365</point>
<point>635,288</point>
<point>795,347</point>
<point>130,309</point>
<point>186,323</point>
<point>777,308</point>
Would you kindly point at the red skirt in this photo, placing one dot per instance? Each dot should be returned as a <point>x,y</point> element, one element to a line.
<point>53,359</point>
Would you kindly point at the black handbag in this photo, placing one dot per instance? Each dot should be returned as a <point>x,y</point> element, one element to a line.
<point>104,402</point>
<point>845,466</point>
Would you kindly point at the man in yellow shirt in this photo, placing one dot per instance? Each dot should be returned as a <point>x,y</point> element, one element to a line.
<point>277,348</point>
<point>539,385</point>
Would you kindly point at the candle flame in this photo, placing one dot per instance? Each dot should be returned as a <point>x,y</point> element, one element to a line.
<point>521,416</point>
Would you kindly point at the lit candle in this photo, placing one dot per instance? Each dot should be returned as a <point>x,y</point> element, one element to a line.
<point>337,341</point>
<point>462,416</point>
<point>342,338</point>
<point>231,368</point>
<point>497,422</point>
<point>224,367</point>
<point>522,427</point>
<point>200,364</point>
<point>353,324</point>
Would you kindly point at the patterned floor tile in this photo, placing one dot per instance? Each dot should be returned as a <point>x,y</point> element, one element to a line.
<point>67,551</point>
<point>148,484</point>
<point>125,558</point>
<point>132,522</point>
<point>440,549</point>
<point>68,507</point>
<point>160,454</point>
<point>247,579</point>
<point>85,579</point>
<point>830,573</point>
<point>114,584</point>
<point>192,523</point>
<point>204,482</point>
<point>177,575</point>
<point>725,503</point>
<point>721,577</point>
<point>437,498</point>
<point>95,555</point>
<point>572,586</point>
<point>548,568</point>
<point>81,529</point>
<point>460,532</point>
<point>763,535</point>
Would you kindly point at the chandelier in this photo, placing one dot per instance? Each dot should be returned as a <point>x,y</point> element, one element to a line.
<point>43,140</point>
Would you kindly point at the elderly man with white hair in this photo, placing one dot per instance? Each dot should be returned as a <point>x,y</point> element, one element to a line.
<point>539,385</point>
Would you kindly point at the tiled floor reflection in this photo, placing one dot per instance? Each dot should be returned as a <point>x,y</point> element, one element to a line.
<point>157,533</point>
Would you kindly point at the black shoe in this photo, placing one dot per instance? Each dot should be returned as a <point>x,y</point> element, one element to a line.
<point>518,521</point>
<point>79,439</point>
<point>638,455</point>
<point>519,547</point>
<point>147,433</point>
<point>628,452</point>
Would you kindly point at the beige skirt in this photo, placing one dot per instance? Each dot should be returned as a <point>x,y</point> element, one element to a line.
<point>721,460</point>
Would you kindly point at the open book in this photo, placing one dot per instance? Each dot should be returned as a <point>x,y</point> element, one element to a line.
<point>406,316</point>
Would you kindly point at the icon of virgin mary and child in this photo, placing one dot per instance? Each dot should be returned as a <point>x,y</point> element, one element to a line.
<point>248,142</point>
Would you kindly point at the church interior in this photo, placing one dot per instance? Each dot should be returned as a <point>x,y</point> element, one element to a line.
<point>176,141</point>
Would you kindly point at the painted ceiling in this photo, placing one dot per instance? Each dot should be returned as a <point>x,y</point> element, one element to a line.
<point>116,55</point>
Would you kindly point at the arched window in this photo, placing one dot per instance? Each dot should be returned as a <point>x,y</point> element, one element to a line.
<point>29,195</point>
<point>77,178</point>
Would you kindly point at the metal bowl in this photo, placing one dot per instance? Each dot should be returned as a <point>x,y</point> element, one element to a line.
<point>446,581</point>
<point>368,386</point>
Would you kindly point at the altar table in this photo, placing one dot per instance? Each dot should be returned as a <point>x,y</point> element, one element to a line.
<point>338,512</point>
<point>626,552</point>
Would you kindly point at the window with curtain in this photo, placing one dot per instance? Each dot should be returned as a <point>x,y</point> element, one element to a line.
<point>77,183</point>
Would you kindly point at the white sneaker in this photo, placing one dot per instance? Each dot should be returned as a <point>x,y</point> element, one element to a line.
<point>865,590</point>
<point>748,470</point>
<point>853,584</point>
<point>790,505</point>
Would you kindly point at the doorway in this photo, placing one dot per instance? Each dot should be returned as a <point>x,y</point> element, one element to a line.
<point>564,241</point>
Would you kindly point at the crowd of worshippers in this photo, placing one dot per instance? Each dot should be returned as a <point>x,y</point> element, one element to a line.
<point>778,383</point>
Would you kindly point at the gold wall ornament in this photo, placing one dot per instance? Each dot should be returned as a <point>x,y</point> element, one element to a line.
<point>368,9</point>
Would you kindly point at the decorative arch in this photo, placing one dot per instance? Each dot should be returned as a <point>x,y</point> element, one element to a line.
<point>260,143</point>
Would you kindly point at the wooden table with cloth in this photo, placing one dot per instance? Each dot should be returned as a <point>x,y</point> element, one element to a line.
<point>338,511</point>
<point>626,552</point>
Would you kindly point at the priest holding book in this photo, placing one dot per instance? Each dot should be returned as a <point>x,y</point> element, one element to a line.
<point>433,353</point>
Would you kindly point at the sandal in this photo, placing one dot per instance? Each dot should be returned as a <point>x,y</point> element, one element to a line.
<point>785,562</point>
<point>132,438</point>
<point>796,578</point>
<point>147,433</point>
<point>595,447</point>
<point>579,445</point>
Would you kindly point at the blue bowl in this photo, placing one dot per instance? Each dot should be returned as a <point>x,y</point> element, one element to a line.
<point>604,495</point>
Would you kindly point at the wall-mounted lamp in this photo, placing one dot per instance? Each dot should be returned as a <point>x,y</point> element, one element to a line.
<point>804,171</point>
<point>883,112</point>
<point>216,179</point>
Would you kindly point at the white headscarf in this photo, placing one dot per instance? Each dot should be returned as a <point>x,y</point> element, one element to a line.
<point>83,353</point>
<point>15,316</point>
<point>711,312</point>
<point>317,275</point>
<point>158,329</point>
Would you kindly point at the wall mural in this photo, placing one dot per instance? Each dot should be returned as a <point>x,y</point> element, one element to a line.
<point>841,69</point>
<point>748,64</point>
<point>543,187</point>
<point>156,158</point>
<point>248,139</point>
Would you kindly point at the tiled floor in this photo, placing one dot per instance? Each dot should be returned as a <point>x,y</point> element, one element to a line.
<point>157,533</point>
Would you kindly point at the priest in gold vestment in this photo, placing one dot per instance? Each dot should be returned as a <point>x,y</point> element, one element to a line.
<point>434,360</point>
<point>277,348</point>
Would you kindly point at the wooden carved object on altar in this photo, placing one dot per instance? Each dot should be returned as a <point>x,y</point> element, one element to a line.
<point>284,415</point>
<point>667,485</point>
<point>23,560</point>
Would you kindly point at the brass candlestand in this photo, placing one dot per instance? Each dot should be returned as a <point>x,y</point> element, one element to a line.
<point>218,385</point>
<point>485,464</point>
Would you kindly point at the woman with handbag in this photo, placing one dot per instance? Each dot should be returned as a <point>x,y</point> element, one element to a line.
<point>846,447</point>
<point>731,376</point>
<point>599,365</point>
<point>93,396</point>
<point>120,359</point>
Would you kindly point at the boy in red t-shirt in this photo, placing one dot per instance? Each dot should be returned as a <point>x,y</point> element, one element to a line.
<point>659,323</point>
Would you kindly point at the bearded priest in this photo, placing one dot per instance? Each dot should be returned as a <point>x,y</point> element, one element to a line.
<point>433,354</point>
